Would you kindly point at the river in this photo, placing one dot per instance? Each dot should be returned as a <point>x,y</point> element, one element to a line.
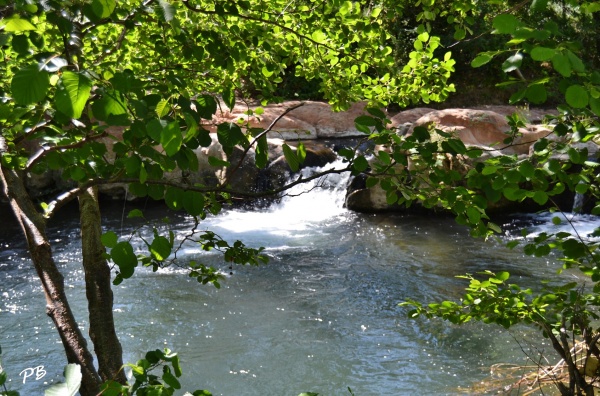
<point>322,316</point>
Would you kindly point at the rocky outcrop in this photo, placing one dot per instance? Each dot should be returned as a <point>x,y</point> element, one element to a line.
<point>482,128</point>
<point>308,120</point>
<point>477,128</point>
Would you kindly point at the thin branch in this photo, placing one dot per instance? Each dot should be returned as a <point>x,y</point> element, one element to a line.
<point>68,196</point>
<point>256,19</point>
<point>30,132</point>
<point>510,10</point>
<point>87,27</point>
<point>263,133</point>
<point>41,153</point>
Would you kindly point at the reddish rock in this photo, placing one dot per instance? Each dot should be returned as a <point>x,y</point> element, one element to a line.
<point>409,116</point>
<point>312,120</point>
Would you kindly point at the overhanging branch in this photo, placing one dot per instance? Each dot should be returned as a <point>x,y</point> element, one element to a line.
<point>263,133</point>
<point>68,196</point>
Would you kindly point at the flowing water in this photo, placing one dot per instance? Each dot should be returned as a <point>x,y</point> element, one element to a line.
<point>322,316</point>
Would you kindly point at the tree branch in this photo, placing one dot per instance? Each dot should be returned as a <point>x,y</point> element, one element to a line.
<point>263,133</point>
<point>68,196</point>
<point>256,19</point>
<point>45,150</point>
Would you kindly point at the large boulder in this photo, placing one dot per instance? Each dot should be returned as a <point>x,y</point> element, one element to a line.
<point>478,128</point>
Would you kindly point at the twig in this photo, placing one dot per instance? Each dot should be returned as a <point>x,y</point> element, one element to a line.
<point>44,150</point>
<point>263,133</point>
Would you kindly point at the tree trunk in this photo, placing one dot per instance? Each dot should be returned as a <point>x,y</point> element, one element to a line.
<point>98,290</point>
<point>57,306</point>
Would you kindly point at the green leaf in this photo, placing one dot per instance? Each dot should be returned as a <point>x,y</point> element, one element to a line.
<point>20,44</point>
<point>176,365</point>
<point>577,96</point>
<point>421,134</point>
<point>574,249</point>
<point>301,152</point>
<point>193,203</point>
<point>156,191</point>
<point>376,112</point>
<point>174,198</point>
<point>526,169</point>
<point>16,24</point>
<point>72,93</point>
<point>214,161</point>
<point>261,154</point>
<point>460,34</point>
<point>103,8</point>
<point>474,214</point>
<point>109,239</point>
<point>229,96</point>
<point>366,120</point>
<point>171,138</point>
<point>536,94</point>
<point>595,105</point>
<point>505,24</point>
<point>482,59</point>
<point>542,54</point>
<point>143,174</point>
<point>135,213</point>
<point>360,164</point>
<point>123,256</point>
<point>154,129</point>
<point>206,106</point>
<point>346,7</point>
<point>576,63</point>
<point>494,227</point>
<point>163,108</point>
<point>291,158</point>
<point>171,380</point>
<point>111,104</point>
<point>575,156</point>
<point>562,65</point>
<point>266,72</point>
<point>71,386</point>
<point>489,170</point>
<point>540,197</point>
<point>230,134</point>
<point>319,37</point>
<point>30,85</point>
<point>160,248</point>
<point>538,6</point>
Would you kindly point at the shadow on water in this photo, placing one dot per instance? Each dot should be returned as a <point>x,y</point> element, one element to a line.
<point>322,316</point>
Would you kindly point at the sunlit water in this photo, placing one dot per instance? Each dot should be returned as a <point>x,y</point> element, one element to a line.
<point>322,316</point>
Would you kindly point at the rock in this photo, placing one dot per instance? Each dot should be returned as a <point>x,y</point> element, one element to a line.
<point>312,120</point>
<point>477,128</point>
<point>481,128</point>
<point>531,116</point>
<point>367,200</point>
<point>410,116</point>
<point>278,171</point>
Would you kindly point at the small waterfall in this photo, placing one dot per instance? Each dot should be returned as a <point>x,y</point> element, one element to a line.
<point>298,213</point>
